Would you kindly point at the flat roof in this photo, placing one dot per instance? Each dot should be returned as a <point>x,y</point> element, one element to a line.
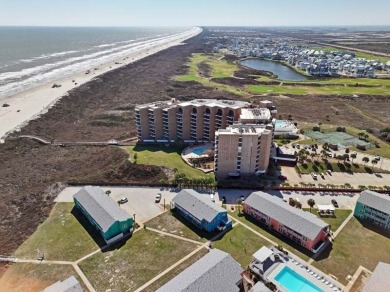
<point>263,254</point>
<point>234,104</point>
<point>379,280</point>
<point>256,114</point>
<point>217,271</point>
<point>102,208</point>
<point>244,129</point>
<point>305,223</point>
<point>375,200</point>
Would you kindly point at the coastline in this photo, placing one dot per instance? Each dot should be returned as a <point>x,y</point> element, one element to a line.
<point>30,104</point>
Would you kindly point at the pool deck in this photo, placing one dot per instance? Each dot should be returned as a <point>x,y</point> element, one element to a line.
<point>318,278</point>
<point>188,153</point>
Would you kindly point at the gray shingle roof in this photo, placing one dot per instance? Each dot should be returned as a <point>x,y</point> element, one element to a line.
<point>379,281</point>
<point>69,285</point>
<point>300,221</point>
<point>217,271</point>
<point>260,287</point>
<point>198,205</point>
<point>375,200</point>
<point>103,209</point>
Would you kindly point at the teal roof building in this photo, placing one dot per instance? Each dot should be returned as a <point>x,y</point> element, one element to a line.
<point>103,213</point>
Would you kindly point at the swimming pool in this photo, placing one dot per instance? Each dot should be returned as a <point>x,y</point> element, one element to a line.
<point>294,282</point>
<point>281,123</point>
<point>200,150</point>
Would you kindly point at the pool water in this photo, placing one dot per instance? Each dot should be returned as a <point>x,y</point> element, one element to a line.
<point>281,123</point>
<point>200,150</point>
<point>294,282</point>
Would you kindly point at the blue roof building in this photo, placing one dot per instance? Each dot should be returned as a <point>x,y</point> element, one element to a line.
<point>201,211</point>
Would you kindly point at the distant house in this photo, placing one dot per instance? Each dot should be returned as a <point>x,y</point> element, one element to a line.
<point>217,271</point>
<point>302,227</point>
<point>374,208</point>
<point>103,213</point>
<point>69,285</point>
<point>201,211</point>
<point>379,280</point>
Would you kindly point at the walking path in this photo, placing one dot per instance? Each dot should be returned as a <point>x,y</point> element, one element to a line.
<point>175,236</point>
<point>356,276</point>
<point>83,277</point>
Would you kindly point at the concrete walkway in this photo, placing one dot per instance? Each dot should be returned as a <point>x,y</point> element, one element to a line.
<point>83,277</point>
<point>175,236</point>
<point>356,276</point>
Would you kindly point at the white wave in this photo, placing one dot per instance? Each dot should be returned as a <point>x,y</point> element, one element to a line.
<point>50,72</point>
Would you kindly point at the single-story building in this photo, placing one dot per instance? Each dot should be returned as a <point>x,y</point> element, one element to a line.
<point>374,208</point>
<point>103,213</point>
<point>69,285</point>
<point>300,226</point>
<point>379,280</point>
<point>217,271</point>
<point>200,211</point>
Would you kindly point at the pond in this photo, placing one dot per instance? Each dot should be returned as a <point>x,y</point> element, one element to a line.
<point>283,72</point>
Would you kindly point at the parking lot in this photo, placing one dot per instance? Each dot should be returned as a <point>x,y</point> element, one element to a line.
<point>345,200</point>
<point>141,201</point>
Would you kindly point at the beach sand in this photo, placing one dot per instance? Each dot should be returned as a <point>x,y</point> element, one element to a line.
<point>30,104</point>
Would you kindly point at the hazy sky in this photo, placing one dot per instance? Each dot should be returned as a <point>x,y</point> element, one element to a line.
<point>196,12</point>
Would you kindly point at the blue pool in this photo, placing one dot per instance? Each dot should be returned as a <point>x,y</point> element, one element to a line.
<point>200,150</point>
<point>280,123</point>
<point>294,282</point>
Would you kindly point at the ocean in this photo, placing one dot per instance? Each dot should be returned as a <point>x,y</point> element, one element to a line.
<point>31,56</point>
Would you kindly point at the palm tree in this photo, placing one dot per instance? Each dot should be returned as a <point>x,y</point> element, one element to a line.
<point>345,157</point>
<point>374,162</point>
<point>311,203</point>
<point>298,205</point>
<point>360,135</point>
<point>292,202</point>
<point>365,160</point>
<point>108,192</point>
<point>325,146</point>
<point>353,156</point>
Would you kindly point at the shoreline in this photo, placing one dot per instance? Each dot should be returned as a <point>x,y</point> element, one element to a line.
<point>32,103</point>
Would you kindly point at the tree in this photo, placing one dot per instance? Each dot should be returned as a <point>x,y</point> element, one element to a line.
<point>325,146</point>
<point>239,203</point>
<point>298,205</point>
<point>360,135</point>
<point>345,157</point>
<point>353,156</point>
<point>108,192</point>
<point>339,157</point>
<point>365,160</point>
<point>366,136</point>
<point>311,203</point>
<point>291,202</point>
<point>374,162</point>
<point>135,156</point>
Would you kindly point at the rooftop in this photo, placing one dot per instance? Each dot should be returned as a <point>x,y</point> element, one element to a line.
<point>198,205</point>
<point>255,114</point>
<point>217,271</point>
<point>245,129</point>
<point>379,281</point>
<point>262,254</point>
<point>304,223</point>
<point>234,104</point>
<point>375,200</point>
<point>103,209</point>
<point>69,285</point>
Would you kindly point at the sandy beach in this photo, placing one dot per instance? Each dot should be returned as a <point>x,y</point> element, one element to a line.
<point>31,103</point>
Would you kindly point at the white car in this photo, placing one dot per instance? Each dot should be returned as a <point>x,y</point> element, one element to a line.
<point>158,198</point>
<point>314,176</point>
<point>123,200</point>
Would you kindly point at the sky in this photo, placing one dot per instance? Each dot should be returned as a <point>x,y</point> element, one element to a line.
<point>194,13</point>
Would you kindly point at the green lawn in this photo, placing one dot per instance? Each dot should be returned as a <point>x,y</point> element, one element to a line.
<point>321,167</point>
<point>176,271</point>
<point>356,245</point>
<point>334,222</point>
<point>275,237</point>
<point>358,54</point>
<point>165,156</point>
<point>60,237</point>
<point>35,277</point>
<point>145,255</point>
<point>241,244</point>
<point>175,224</point>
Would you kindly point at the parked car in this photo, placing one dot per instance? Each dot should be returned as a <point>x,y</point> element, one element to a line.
<point>123,200</point>
<point>322,175</point>
<point>329,172</point>
<point>314,176</point>
<point>334,203</point>
<point>158,198</point>
<point>282,177</point>
<point>223,200</point>
<point>212,197</point>
<point>242,199</point>
<point>377,158</point>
